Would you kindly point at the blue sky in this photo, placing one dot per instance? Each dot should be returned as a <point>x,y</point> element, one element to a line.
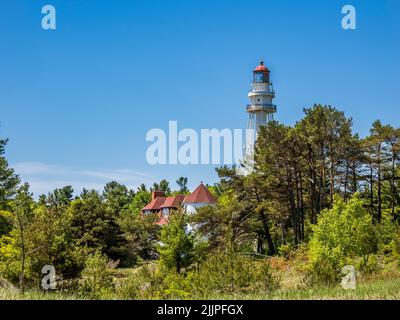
<point>76,102</point>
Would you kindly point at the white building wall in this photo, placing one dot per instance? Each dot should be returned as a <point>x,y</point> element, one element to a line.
<point>191,207</point>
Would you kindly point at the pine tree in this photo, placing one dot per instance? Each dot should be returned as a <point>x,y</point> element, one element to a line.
<point>19,218</point>
<point>176,246</point>
<point>8,186</point>
<point>182,183</point>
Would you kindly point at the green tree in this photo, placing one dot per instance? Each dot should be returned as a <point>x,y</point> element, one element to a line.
<point>324,133</point>
<point>95,226</point>
<point>375,150</point>
<point>141,233</point>
<point>279,176</point>
<point>226,225</point>
<point>392,139</point>
<point>176,243</point>
<point>141,198</point>
<point>19,218</point>
<point>182,183</point>
<point>352,166</point>
<point>117,196</point>
<point>8,186</point>
<point>51,238</point>
<point>251,195</point>
<point>162,186</point>
<point>59,197</point>
<point>97,278</point>
<point>343,232</point>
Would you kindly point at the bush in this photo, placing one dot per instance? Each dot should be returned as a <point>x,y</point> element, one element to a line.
<point>145,284</point>
<point>149,282</point>
<point>231,273</point>
<point>285,250</point>
<point>386,232</point>
<point>368,265</point>
<point>395,244</point>
<point>10,261</point>
<point>346,231</point>
<point>97,280</point>
<point>221,273</point>
<point>176,286</point>
<point>326,273</point>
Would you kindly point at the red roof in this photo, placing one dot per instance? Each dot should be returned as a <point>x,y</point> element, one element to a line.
<point>162,221</point>
<point>164,202</point>
<point>173,202</point>
<point>261,67</point>
<point>200,195</point>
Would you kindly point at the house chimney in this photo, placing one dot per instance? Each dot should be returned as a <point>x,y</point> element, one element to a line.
<point>156,194</point>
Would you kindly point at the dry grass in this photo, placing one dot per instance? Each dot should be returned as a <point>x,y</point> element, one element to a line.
<point>384,285</point>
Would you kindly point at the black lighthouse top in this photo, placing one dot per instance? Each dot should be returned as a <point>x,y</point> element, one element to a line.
<point>261,74</point>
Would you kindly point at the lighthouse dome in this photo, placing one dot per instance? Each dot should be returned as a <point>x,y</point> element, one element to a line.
<point>261,68</point>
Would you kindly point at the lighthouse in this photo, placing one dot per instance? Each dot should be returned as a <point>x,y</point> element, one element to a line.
<point>260,110</point>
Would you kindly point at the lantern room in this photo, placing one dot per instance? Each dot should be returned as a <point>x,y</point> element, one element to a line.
<point>261,74</point>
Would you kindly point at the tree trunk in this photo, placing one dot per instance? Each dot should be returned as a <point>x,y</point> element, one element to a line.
<point>379,213</point>
<point>312,185</point>
<point>268,237</point>
<point>371,189</point>
<point>354,172</point>
<point>332,182</point>
<point>392,183</point>
<point>346,178</point>
<point>259,244</point>
<point>22,274</point>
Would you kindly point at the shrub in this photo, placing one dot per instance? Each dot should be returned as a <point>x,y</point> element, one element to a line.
<point>176,286</point>
<point>145,283</point>
<point>386,232</point>
<point>326,273</point>
<point>10,260</point>
<point>368,265</point>
<point>97,280</point>
<point>221,273</point>
<point>396,245</point>
<point>149,282</point>
<point>231,273</point>
<point>285,250</point>
<point>346,231</point>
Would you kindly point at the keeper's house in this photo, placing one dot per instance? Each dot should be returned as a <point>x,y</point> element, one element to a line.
<point>163,205</point>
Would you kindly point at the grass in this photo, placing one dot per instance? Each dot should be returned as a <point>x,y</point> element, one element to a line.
<point>384,285</point>
<point>12,294</point>
<point>376,289</point>
<point>382,289</point>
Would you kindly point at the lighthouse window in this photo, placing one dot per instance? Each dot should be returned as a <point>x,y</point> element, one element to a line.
<point>259,77</point>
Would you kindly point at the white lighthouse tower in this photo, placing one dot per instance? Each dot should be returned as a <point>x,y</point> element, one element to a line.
<point>261,109</point>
